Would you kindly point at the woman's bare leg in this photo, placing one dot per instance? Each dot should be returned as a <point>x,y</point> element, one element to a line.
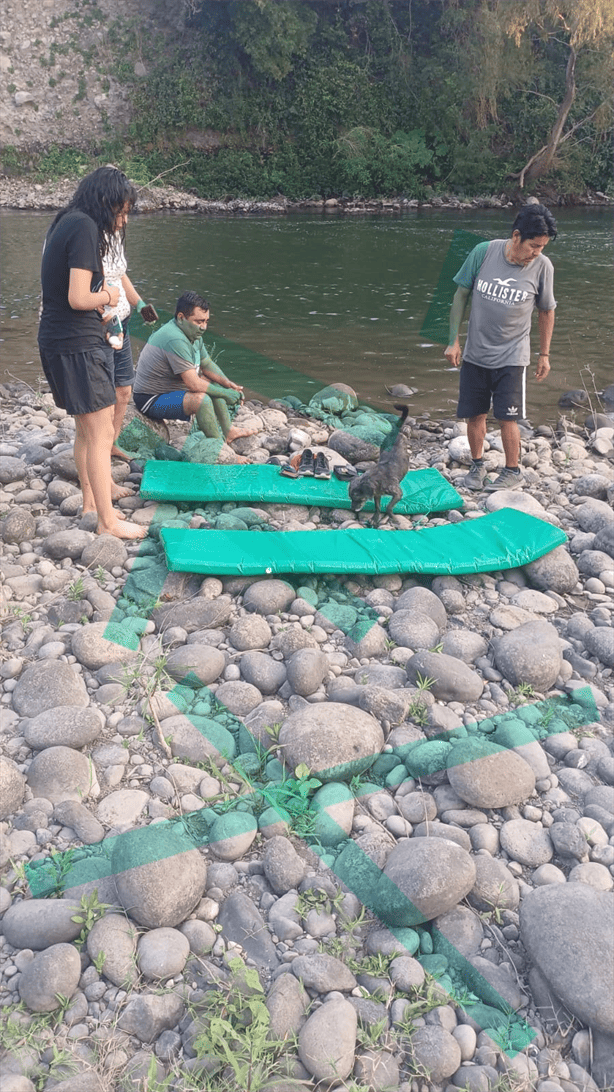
<point>122,397</point>
<point>93,452</point>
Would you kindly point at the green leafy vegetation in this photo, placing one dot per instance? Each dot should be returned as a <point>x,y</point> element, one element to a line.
<point>356,99</point>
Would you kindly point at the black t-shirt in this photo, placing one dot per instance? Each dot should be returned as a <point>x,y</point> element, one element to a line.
<point>72,244</point>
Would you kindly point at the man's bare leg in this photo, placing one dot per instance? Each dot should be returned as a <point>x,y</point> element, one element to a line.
<point>93,458</point>
<point>510,438</point>
<point>476,433</point>
<point>231,432</point>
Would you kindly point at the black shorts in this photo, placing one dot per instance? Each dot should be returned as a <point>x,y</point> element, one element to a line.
<point>80,382</point>
<point>505,387</point>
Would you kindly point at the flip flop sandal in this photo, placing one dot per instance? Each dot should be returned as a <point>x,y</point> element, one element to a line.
<point>288,471</point>
<point>345,473</point>
<point>306,463</point>
<point>321,468</point>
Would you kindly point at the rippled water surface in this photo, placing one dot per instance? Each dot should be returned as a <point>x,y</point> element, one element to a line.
<point>334,298</point>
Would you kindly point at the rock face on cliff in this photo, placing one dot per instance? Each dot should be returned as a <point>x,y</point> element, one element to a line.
<point>59,63</point>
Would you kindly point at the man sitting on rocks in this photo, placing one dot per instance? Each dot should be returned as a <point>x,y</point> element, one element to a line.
<point>176,377</point>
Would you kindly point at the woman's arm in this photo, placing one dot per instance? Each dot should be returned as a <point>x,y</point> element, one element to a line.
<point>80,296</point>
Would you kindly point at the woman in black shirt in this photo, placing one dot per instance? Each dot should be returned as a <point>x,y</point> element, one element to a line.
<point>77,359</point>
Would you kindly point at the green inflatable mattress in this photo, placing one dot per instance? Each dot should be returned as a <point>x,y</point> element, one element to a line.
<point>423,490</point>
<point>499,540</point>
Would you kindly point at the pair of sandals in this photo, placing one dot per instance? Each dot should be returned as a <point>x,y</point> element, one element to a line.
<point>305,464</point>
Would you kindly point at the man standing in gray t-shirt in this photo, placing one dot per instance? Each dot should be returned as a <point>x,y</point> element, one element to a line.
<point>507,279</point>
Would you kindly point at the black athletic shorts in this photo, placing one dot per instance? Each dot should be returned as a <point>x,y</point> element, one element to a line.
<point>80,382</point>
<point>505,387</point>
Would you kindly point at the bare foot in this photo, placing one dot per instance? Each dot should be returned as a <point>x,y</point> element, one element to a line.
<point>119,491</point>
<point>122,530</point>
<point>119,454</point>
<point>236,432</point>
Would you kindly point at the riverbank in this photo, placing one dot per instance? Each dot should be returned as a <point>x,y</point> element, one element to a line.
<point>23,193</point>
<point>509,856</point>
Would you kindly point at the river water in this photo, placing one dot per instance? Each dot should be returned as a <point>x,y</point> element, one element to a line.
<point>332,297</point>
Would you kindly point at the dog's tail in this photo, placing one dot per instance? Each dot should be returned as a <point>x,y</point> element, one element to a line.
<point>391,438</point>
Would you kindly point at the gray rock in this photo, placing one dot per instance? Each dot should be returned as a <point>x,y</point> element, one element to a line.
<point>198,741</point>
<point>52,974</point>
<point>604,540</point>
<point>204,662</point>
<point>19,526</point>
<point>240,698</point>
<point>377,1070</point>
<point>423,601</point>
<point>162,953</point>
<point>121,810</point>
<point>530,654</point>
<point>602,1068</point>
<point>568,931</point>
<point>333,740</point>
<point>39,923</point>
<point>306,670</point>
<point>263,672</point>
<point>232,834</point>
<point>600,643</point>
<point>327,1041</point>
<point>75,815</point>
<point>288,641</point>
<point>323,973</point>
<point>115,937</point>
<point>149,1014</point>
<point>194,614</point>
<point>406,973</point>
<point>250,632</point>
<point>435,1050</point>
<point>94,651</point>
<point>380,675</point>
<point>417,807</point>
<point>495,887</point>
<point>264,716</point>
<point>463,644</point>
<point>501,981</point>
<point>556,571</point>
<point>383,704</point>
<point>48,685</point>
<point>594,562</point>
<point>461,928</point>
<point>200,935</point>
<point>268,596</point>
<point>287,1002</point>
<point>568,841</point>
<point>107,551</point>
<point>593,516</point>
<point>11,470</point>
<point>526,842</point>
<point>283,867</point>
<point>432,876</point>
<point>412,629</point>
<point>352,447</point>
<point>64,726</point>
<point>454,680</point>
<point>487,776</point>
<point>12,787</point>
<point>601,796</point>
<point>161,892</point>
<point>373,643</point>
<point>71,544</point>
<point>61,773</point>
<point>243,923</point>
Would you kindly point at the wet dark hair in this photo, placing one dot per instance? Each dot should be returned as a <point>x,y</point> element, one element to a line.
<point>533,220</point>
<point>101,195</point>
<point>188,302</point>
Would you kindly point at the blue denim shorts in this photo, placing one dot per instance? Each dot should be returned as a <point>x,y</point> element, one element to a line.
<point>162,407</point>
<point>124,364</point>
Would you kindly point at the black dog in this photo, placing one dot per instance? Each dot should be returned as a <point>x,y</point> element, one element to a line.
<point>384,480</point>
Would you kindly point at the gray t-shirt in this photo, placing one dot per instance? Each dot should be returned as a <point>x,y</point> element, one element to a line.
<point>502,302</point>
<point>167,354</point>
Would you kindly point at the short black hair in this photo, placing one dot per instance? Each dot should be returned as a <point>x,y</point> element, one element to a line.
<point>533,220</point>
<point>188,302</point>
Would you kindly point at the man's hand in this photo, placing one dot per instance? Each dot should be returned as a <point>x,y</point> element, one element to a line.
<point>543,368</point>
<point>452,354</point>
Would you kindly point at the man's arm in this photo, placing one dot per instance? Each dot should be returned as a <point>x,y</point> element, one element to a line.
<point>212,371</point>
<point>200,385</point>
<point>545,322</point>
<point>453,353</point>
